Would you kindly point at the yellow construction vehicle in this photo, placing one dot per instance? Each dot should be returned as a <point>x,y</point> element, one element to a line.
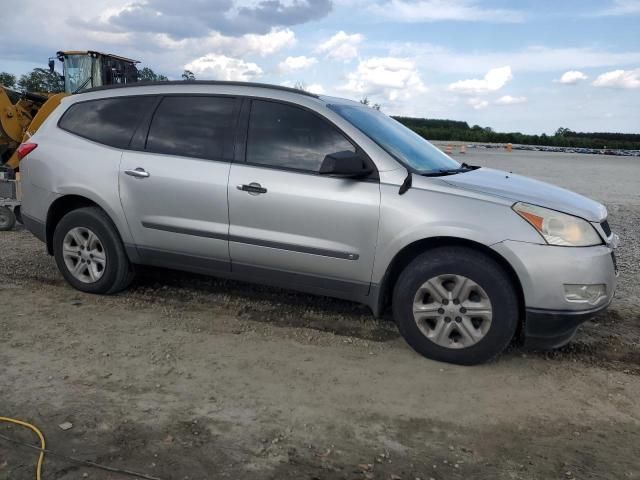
<point>22,113</point>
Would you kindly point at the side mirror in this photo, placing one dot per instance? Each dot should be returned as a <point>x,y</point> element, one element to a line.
<point>52,65</point>
<point>346,165</point>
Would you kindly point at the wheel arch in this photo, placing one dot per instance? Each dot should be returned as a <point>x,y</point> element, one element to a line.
<point>410,251</point>
<point>65,204</point>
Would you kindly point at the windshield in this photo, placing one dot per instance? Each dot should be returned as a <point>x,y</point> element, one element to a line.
<point>406,146</point>
<point>78,73</point>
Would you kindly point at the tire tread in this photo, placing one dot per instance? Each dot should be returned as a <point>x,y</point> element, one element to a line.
<point>121,273</point>
<point>467,261</point>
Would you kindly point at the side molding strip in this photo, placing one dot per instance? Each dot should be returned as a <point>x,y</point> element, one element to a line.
<point>294,248</point>
<point>186,231</point>
<point>253,241</point>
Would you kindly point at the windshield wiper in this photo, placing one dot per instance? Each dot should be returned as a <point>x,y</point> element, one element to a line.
<point>441,172</point>
<point>84,84</point>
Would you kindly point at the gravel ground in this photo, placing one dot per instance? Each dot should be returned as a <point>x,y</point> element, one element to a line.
<point>189,377</point>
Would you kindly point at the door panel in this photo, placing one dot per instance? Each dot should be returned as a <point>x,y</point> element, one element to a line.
<point>174,193</point>
<point>181,207</point>
<point>307,224</point>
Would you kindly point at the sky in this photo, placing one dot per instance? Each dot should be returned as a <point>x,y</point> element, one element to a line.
<point>519,65</point>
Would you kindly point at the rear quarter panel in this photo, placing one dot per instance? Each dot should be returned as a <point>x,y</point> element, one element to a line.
<point>66,164</point>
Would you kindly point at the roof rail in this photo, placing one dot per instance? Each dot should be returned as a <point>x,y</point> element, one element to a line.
<point>198,82</point>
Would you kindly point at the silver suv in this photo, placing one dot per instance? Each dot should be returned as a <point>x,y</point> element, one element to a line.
<point>319,194</point>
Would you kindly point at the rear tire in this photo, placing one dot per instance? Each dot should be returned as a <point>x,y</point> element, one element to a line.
<point>467,325</point>
<point>7,219</point>
<point>89,252</point>
<point>17,211</point>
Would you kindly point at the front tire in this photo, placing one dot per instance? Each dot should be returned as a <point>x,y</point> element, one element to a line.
<point>89,252</point>
<point>456,305</point>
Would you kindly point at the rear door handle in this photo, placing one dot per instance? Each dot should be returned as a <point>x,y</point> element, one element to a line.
<point>253,188</point>
<point>138,173</point>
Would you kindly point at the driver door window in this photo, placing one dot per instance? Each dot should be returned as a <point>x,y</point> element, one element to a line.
<point>288,137</point>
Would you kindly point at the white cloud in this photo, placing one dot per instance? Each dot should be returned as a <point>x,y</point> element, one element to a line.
<point>249,44</point>
<point>341,46</point>
<point>316,88</point>
<point>478,103</point>
<point>619,79</point>
<point>509,100</point>
<point>221,67</point>
<point>296,63</point>
<point>495,79</point>
<point>530,59</point>
<point>266,44</point>
<point>444,10</point>
<point>393,78</point>
<point>572,77</point>
<point>621,7</point>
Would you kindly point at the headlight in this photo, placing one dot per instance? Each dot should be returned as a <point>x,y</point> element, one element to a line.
<point>559,228</point>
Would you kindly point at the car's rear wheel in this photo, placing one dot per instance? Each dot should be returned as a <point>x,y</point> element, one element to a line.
<point>7,219</point>
<point>89,252</point>
<point>456,305</point>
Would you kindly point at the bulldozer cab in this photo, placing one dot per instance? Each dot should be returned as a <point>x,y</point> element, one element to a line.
<point>88,69</point>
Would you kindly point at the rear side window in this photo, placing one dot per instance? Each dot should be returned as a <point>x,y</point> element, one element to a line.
<point>111,121</point>
<point>290,137</point>
<point>192,126</point>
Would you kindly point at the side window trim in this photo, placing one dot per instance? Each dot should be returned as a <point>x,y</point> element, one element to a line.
<point>243,136</point>
<point>229,145</point>
<point>139,140</point>
<point>242,131</point>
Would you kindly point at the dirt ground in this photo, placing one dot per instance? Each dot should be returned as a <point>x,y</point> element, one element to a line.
<point>188,377</point>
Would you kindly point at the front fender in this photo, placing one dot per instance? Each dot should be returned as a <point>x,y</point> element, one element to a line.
<point>422,214</point>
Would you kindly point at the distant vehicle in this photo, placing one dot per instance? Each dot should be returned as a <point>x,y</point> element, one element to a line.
<point>319,194</point>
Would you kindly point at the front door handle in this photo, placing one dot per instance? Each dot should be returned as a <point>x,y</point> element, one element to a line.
<point>138,173</point>
<point>253,188</point>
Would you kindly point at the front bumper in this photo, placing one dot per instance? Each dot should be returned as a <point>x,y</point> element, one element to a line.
<point>543,271</point>
<point>554,328</point>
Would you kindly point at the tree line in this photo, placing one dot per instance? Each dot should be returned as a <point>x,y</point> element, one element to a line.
<point>42,80</point>
<point>435,129</point>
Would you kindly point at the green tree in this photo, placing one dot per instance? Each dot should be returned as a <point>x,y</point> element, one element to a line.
<point>188,76</point>
<point>563,132</point>
<point>147,75</point>
<point>41,80</point>
<point>7,80</point>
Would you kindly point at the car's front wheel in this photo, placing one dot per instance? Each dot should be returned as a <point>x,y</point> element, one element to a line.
<point>456,305</point>
<point>89,252</point>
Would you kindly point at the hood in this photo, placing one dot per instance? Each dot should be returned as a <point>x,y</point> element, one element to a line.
<point>523,189</point>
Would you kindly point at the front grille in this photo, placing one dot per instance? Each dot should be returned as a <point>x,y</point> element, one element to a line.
<point>606,229</point>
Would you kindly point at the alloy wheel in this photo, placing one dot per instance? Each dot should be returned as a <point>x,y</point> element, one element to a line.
<point>452,311</point>
<point>84,255</point>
